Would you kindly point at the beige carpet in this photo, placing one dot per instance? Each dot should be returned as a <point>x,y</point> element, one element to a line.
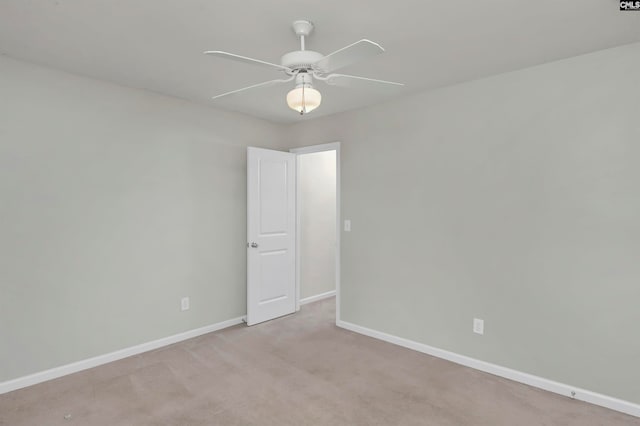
<point>298,370</point>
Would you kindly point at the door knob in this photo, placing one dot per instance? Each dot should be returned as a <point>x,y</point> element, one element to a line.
<point>254,245</point>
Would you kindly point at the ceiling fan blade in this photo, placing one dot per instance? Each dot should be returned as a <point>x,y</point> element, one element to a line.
<point>351,54</point>
<point>247,60</point>
<point>255,86</point>
<point>362,82</point>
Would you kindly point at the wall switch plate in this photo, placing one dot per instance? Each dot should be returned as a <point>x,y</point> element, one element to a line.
<point>347,225</point>
<point>478,326</point>
<point>184,304</point>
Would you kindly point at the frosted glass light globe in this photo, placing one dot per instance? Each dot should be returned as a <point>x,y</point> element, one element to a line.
<point>304,99</point>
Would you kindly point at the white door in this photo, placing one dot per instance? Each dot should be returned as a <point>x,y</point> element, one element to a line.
<point>271,226</point>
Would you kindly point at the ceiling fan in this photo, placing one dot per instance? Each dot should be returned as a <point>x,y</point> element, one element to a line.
<point>305,66</point>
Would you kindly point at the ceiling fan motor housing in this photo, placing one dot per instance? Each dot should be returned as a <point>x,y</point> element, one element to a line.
<point>300,59</point>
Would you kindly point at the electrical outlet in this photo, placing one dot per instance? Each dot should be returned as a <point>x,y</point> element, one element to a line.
<point>184,304</point>
<point>478,326</point>
<point>347,225</point>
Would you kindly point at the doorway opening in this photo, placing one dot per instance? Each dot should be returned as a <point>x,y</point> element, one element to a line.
<point>318,224</point>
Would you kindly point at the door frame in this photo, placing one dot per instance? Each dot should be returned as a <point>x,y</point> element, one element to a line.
<point>333,146</point>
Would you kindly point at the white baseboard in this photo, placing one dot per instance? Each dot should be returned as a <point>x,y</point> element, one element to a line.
<point>497,370</point>
<point>43,376</point>
<point>317,297</point>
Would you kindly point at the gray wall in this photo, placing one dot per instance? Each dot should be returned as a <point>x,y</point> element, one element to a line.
<point>513,199</point>
<point>114,203</point>
<point>317,180</point>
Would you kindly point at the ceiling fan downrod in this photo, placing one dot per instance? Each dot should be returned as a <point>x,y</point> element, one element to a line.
<point>302,28</point>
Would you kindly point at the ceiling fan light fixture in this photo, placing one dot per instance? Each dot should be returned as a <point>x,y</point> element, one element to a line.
<point>304,99</point>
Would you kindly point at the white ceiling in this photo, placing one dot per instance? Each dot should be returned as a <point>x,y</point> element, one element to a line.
<point>158,44</point>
